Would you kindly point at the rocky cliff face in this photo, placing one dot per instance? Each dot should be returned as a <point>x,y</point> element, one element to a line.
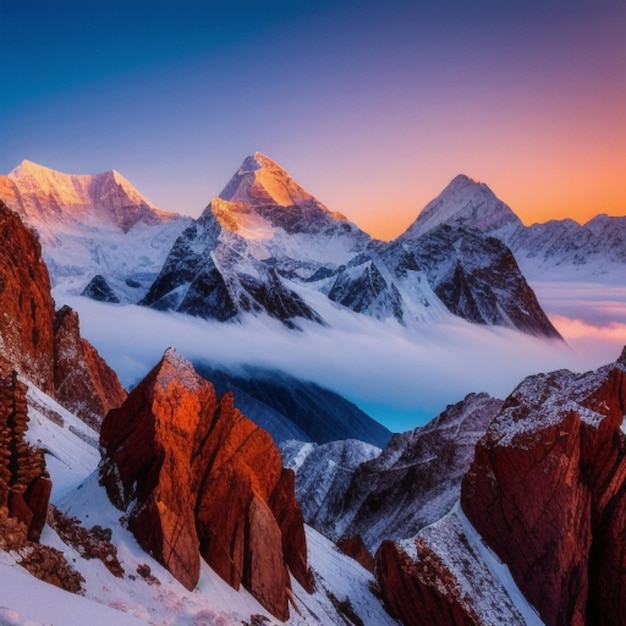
<point>24,482</point>
<point>546,492</point>
<point>476,277</point>
<point>43,346</point>
<point>26,306</point>
<point>98,289</point>
<point>83,382</point>
<point>198,479</point>
<point>349,489</point>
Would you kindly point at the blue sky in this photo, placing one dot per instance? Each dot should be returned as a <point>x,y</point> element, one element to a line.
<point>372,106</point>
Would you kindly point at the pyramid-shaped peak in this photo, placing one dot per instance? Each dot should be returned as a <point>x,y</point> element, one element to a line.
<point>261,181</point>
<point>175,367</point>
<point>467,203</point>
<point>258,161</point>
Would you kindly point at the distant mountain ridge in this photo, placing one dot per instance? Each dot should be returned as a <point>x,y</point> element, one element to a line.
<point>92,225</point>
<point>264,236</point>
<point>289,408</point>
<point>555,250</point>
<point>267,246</point>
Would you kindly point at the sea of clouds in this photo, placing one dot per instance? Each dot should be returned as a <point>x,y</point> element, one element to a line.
<point>401,378</point>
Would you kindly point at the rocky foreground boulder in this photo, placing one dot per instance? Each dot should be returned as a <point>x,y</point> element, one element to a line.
<point>25,484</point>
<point>197,479</point>
<point>546,492</point>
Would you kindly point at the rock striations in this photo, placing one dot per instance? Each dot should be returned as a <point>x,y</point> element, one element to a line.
<point>46,348</point>
<point>198,479</point>
<point>546,492</point>
<point>26,306</point>
<point>83,382</point>
<point>25,485</point>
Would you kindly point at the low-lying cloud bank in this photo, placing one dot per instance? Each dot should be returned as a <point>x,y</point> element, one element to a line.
<point>401,378</point>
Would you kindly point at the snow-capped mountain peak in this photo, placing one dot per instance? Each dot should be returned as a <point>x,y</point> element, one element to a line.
<point>92,225</point>
<point>260,181</point>
<point>464,202</point>
<point>50,196</point>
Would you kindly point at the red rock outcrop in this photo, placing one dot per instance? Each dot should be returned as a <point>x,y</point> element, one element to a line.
<point>27,308</point>
<point>83,382</point>
<point>411,591</point>
<point>197,478</point>
<point>25,485</point>
<point>547,491</point>
<point>47,348</point>
<point>356,549</point>
<point>439,577</point>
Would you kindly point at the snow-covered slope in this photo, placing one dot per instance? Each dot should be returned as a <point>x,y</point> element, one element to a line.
<point>146,593</point>
<point>92,224</point>
<point>564,250</point>
<point>323,477</point>
<point>347,488</point>
<point>465,202</point>
<point>261,230</point>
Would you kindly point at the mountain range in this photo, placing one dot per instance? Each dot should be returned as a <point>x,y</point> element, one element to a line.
<point>90,225</point>
<point>264,245</point>
<point>208,494</point>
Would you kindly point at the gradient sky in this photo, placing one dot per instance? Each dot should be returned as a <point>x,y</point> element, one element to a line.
<point>372,106</point>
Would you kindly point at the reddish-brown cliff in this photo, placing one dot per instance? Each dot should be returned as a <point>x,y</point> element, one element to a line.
<point>27,308</point>
<point>197,478</point>
<point>83,382</point>
<point>24,482</point>
<point>547,491</point>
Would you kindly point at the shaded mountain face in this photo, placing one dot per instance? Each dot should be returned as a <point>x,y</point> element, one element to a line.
<point>546,491</point>
<point>349,489</point>
<point>176,458</point>
<point>98,289</point>
<point>265,243</point>
<point>556,250</point>
<point>289,408</point>
<point>476,277</point>
<point>92,224</point>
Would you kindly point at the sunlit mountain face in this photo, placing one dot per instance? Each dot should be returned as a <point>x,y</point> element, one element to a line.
<point>391,326</point>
